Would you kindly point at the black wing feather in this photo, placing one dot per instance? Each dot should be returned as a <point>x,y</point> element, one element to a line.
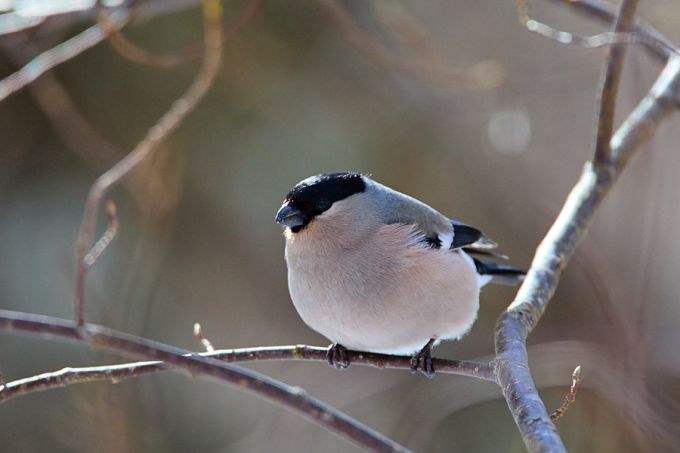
<point>503,275</point>
<point>465,235</point>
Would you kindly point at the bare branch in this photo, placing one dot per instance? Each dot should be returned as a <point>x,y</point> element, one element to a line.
<point>132,52</point>
<point>115,20</point>
<point>570,397</point>
<point>638,35</point>
<point>138,55</point>
<point>611,77</point>
<point>116,373</point>
<point>212,13</point>
<point>15,22</point>
<point>657,44</point>
<point>111,230</point>
<point>552,256</point>
<point>99,337</point>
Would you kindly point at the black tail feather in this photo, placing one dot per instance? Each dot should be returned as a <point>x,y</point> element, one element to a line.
<point>502,275</point>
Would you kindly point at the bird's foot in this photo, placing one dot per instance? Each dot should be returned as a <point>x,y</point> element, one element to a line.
<point>337,356</point>
<point>422,361</point>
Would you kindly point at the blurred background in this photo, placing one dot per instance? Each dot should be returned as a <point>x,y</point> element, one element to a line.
<point>452,102</point>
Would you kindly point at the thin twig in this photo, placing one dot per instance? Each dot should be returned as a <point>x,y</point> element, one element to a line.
<point>111,230</point>
<point>118,372</point>
<point>552,256</point>
<point>609,88</point>
<point>115,20</point>
<point>198,333</point>
<point>570,397</point>
<point>212,14</point>
<point>136,54</point>
<point>606,12</point>
<point>293,398</point>
<point>605,39</point>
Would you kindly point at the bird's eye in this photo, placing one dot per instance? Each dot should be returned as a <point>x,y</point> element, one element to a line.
<point>323,205</point>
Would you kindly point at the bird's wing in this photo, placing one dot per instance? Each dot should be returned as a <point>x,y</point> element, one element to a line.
<point>396,207</point>
<point>437,229</point>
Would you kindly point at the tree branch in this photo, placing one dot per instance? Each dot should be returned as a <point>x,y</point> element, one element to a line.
<point>212,15</point>
<point>293,398</point>
<point>606,12</point>
<point>303,353</point>
<point>641,34</point>
<point>115,20</point>
<point>611,76</point>
<point>552,256</point>
<point>132,52</point>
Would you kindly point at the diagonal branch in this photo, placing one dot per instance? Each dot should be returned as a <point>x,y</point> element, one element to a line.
<point>68,49</point>
<point>552,256</point>
<point>293,398</point>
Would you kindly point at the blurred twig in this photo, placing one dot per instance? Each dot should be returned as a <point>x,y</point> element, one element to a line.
<point>165,126</point>
<point>142,10</point>
<point>430,66</point>
<point>636,35</point>
<point>118,342</point>
<point>116,373</point>
<point>552,256</point>
<point>570,397</point>
<point>606,12</point>
<point>70,48</point>
<point>141,56</point>
<point>111,230</point>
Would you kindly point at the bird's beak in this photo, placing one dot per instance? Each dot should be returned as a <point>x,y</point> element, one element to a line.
<point>289,216</point>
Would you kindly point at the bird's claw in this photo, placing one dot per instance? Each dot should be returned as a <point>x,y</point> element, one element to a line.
<point>337,356</point>
<point>422,361</point>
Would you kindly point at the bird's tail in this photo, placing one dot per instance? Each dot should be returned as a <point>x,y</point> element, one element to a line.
<point>500,274</point>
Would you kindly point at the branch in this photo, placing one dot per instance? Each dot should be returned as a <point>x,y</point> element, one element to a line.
<point>57,55</point>
<point>100,337</point>
<point>552,256</point>
<point>606,12</point>
<point>611,76</point>
<point>132,52</point>
<point>297,353</point>
<point>212,15</point>
<point>645,35</point>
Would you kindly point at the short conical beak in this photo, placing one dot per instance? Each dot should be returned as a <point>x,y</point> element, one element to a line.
<point>290,216</point>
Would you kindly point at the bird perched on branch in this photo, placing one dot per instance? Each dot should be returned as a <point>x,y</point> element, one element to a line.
<point>376,270</point>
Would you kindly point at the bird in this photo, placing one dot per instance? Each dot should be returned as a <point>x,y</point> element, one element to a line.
<point>376,270</point>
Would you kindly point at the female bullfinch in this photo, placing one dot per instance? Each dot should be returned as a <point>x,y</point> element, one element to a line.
<point>373,269</point>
